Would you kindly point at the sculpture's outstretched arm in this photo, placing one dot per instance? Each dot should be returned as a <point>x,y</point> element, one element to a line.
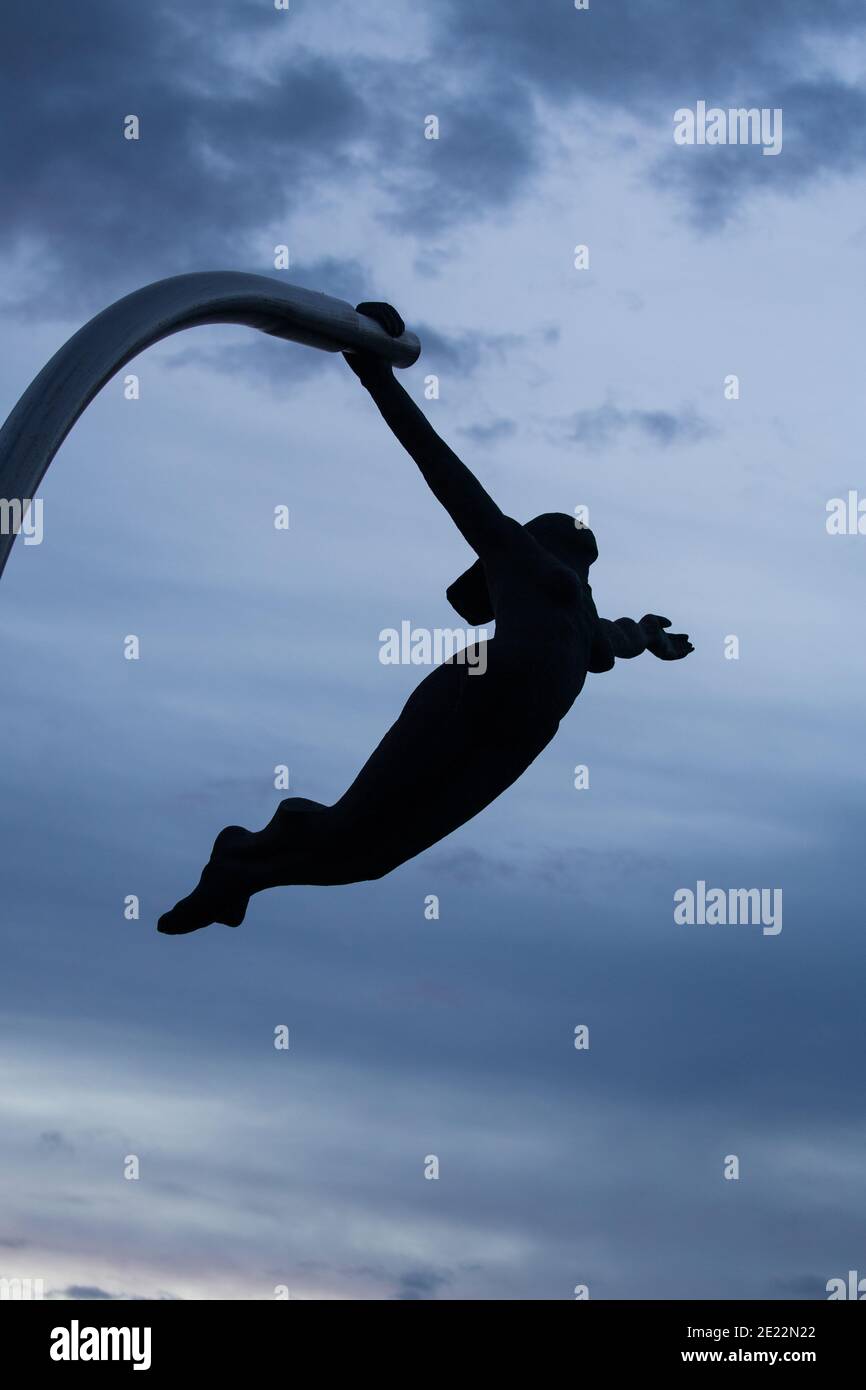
<point>472,510</point>
<point>627,639</point>
<point>477,517</point>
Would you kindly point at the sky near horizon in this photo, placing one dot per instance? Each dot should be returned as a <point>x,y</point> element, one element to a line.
<point>602,387</point>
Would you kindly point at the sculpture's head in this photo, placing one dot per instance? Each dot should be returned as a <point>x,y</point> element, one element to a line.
<point>573,545</point>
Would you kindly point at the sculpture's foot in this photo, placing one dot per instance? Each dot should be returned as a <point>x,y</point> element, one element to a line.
<point>222,893</point>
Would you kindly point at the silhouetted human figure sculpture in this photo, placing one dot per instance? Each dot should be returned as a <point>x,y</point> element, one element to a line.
<point>462,737</point>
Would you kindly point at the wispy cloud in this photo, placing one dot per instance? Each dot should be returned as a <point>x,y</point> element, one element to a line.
<point>602,425</point>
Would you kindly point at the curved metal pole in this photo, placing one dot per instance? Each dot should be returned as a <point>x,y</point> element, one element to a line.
<point>65,387</point>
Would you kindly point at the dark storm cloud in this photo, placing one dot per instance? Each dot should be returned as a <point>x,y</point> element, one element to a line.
<point>486,150</point>
<point>824,125</point>
<point>218,154</point>
<point>221,154</point>
<point>648,60</point>
<point>225,152</point>
<point>625,51</point>
<point>604,424</point>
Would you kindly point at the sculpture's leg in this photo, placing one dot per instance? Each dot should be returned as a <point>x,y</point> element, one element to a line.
<point>242,863</point>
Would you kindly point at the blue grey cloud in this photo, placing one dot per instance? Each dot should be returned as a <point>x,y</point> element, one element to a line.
<point>222,155</point>
<point>90,1293</point>
<point>490,433</point>
<point>601,425</point>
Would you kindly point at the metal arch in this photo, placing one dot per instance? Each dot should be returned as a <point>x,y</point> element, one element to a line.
<point>64,388</point>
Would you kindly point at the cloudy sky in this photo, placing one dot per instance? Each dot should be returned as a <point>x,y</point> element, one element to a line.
<point>602,387</point>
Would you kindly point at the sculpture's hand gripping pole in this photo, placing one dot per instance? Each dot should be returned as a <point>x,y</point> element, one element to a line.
<point>67,384</point>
